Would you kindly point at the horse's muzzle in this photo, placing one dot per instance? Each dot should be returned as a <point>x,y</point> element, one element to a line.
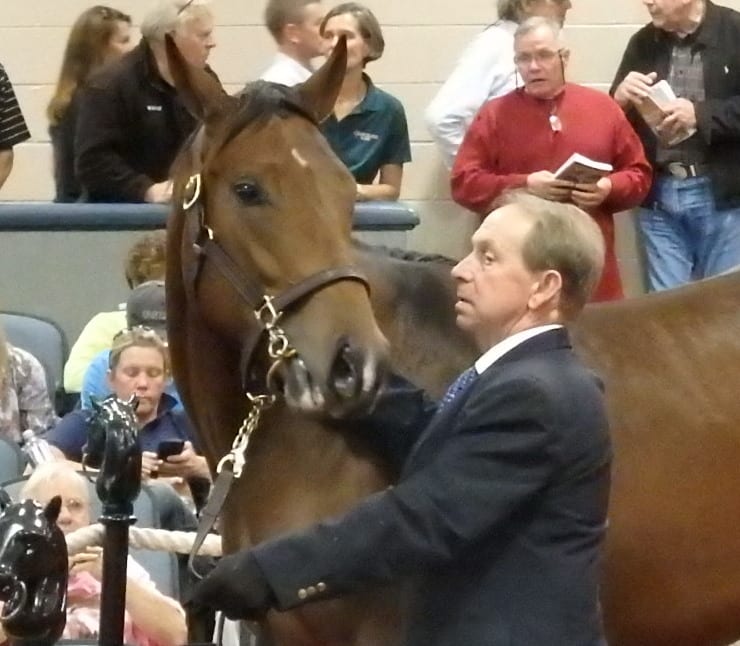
<point>354,377</point>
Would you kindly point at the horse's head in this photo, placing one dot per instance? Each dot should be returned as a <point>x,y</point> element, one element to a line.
<point>113,447</point>
<point>33,572</point>
<point>268,212</point>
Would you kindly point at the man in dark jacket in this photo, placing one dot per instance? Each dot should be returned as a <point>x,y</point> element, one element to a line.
<point>131,122</point>
<point>498,520</point>
<point>690,222</point>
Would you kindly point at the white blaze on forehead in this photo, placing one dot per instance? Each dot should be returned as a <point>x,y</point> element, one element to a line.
<point>297,156</point>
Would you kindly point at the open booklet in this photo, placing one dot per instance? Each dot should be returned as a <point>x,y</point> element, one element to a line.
<point>582,170</point>
<point>652,110</point>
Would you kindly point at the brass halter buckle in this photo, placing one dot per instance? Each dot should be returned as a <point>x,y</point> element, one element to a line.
<point>192,191</point>
<point>278,345</point>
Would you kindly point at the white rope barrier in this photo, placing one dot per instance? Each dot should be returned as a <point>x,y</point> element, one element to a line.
<point>145,538</point>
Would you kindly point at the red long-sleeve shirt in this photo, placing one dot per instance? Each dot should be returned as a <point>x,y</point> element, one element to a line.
<point>511,137</point>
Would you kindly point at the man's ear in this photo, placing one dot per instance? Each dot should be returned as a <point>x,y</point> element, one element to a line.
<point>565,55</point>
<point>547,289</point>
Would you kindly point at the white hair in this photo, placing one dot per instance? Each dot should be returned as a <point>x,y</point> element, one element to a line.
<point>48,473</point>
<point>168,15</point>
<point>538,22</point>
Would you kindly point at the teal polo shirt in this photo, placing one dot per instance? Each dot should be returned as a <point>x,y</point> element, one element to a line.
<point>374,134</point>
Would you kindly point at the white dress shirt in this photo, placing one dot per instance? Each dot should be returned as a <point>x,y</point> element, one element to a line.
<point>286,70</point>
<point>485,70</point>
<point>493,354</point>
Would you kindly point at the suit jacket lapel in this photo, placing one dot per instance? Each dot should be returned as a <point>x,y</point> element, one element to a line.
<point>551,340</point>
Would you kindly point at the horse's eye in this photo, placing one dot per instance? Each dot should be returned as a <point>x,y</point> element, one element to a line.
<point>250,193</point>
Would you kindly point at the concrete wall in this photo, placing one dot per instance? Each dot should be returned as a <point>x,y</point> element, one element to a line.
<point>423,38</point>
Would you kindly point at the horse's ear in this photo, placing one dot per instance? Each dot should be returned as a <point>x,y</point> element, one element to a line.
<point>319,93</point>
<point>201,92</point>
<point>52,509</point>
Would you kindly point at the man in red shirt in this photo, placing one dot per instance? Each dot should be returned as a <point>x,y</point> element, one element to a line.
<point>520,139</point>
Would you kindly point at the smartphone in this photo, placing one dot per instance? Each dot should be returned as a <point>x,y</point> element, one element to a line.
<point>167,448</point>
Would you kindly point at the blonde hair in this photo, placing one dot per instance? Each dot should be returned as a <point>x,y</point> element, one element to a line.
<point>169,15</point>
<point>139,337</point>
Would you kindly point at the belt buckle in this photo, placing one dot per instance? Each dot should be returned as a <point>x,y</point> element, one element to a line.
<point>679,170</point>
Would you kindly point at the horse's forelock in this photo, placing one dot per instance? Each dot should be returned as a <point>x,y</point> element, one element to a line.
<point>259,101</point>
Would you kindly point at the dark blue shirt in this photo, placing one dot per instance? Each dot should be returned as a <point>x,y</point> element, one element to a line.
<point>374,134</point>
<point>70,434</point>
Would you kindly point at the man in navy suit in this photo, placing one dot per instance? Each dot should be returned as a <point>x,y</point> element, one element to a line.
<point>499,517</point>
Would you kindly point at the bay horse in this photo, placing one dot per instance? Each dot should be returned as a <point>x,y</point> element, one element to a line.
<point>259,179</point>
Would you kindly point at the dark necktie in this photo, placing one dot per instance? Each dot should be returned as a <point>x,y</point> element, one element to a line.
<point>460,385</point>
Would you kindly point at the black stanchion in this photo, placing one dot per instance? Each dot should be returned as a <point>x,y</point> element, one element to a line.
<point>113,447</point>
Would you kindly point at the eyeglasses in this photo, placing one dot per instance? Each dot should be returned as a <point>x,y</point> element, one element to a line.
<point>542,56</point>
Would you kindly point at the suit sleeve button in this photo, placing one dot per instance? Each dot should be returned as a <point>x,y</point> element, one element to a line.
<point>321,586</point>
<point>302,593</point>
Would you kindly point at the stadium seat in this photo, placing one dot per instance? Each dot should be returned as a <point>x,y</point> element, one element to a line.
<point>45,340</point>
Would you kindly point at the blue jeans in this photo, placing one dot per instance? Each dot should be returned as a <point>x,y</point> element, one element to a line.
<point>685,236</point>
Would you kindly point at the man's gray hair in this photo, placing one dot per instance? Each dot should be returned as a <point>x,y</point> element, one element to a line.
<point>539,22</point>
<point>168,15</point>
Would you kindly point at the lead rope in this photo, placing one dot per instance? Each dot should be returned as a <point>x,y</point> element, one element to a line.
<point>231,465</point>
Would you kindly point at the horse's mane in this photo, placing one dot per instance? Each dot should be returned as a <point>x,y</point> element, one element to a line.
<point>408,255</point>
<point>262,99</point>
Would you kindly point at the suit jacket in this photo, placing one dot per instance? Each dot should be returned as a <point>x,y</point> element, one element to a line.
<point>498,520</point>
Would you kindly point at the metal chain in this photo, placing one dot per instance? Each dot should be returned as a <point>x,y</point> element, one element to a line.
<point>237,455</point>
<point>278,349</point>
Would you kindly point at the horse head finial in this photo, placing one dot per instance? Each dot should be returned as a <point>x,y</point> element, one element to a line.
<point>113,447</point>
<point>33,573</point>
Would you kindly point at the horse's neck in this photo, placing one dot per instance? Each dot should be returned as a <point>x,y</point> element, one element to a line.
<point>413,302</point>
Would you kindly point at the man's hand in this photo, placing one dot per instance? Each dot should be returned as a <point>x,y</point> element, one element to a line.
<point>544,184</point>
<point>589,196</point>
<point>634,88</point>
<point>159,193</point>
<point>237,587</point>
<point>680,118</point>
<point>186,464</point>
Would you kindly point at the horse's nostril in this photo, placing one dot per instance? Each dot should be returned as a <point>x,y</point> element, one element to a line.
<point>346,372</point>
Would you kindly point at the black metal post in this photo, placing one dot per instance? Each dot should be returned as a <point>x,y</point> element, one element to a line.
<point>113,593</point>
<point>112,444</point>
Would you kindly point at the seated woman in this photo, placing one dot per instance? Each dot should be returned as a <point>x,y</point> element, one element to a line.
<point>368,129</point>
<point>24,398</point>
<point>152,618</point>
<point>99,35</point>
<point>138,364</point>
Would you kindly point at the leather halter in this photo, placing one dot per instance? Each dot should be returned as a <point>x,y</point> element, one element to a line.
<point>267,308</point>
